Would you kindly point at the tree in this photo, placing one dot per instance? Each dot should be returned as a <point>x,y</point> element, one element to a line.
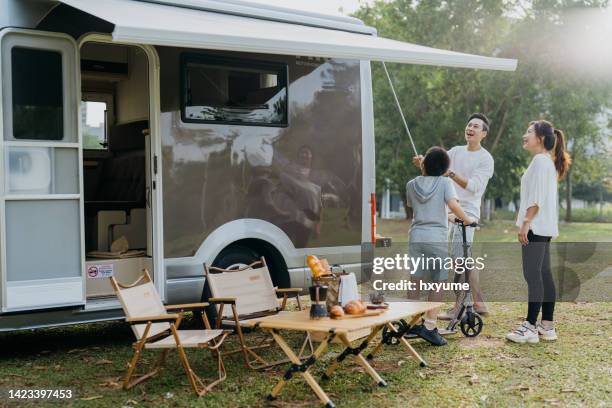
<point>574,95</point>
<point>437,101</point>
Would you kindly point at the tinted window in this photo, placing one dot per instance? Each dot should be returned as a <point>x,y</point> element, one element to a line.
<point>37,94</point>
<point>224,91</point>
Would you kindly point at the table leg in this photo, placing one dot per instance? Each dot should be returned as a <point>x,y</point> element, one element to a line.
<point>363,362</point>
<point>334,365</point>
<point>413,353</point>
<point>411,350</point>
<point>375,350</point>
<point>302,368</point>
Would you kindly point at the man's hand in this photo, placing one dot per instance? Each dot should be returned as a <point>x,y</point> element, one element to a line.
<point>417,160</point>
<point>523,231</point>
<point>468,220</point>
<point>451,218</point>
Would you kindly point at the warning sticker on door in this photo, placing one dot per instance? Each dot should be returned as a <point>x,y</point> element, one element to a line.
<point>100,271</point>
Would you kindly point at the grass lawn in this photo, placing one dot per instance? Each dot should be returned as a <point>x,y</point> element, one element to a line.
<point>483,371</point>
<point>506,231</point>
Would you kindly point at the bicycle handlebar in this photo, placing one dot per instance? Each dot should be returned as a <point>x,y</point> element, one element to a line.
<point>459,221</point>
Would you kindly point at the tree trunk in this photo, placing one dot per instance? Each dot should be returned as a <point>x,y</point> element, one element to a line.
<point>601,203</point>
<point>407,210</point>
<point>517,204</point>
<point>485,209</point>
<point>568,196</point>
<point>500,131</point>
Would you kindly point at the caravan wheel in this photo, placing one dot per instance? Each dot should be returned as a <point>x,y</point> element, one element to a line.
<point>236,256</point>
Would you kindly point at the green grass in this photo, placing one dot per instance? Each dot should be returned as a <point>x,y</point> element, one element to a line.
<point>590,214</point>
<point>506,231</point>
<point>483,371</point>
<point>578,214</point>
<point>579,264</point>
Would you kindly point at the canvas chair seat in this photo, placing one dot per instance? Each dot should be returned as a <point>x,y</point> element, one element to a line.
<point>156,326</point>
<point>248,322</point>
<point>249,294</point>
<point>188,338</point>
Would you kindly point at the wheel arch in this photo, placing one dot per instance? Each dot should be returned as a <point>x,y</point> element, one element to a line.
<point>244,229</point>
<point>274,259</point>
<point>261,236</point>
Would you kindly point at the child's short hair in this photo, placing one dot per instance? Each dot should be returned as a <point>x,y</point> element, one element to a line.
<point>436,161</point>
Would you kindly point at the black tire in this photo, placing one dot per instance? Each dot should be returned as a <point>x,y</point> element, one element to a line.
<point>236,255</point>
<point>393,341</point>
<point>241,255</point>
<point>232,256</point>
<point>471,324</point>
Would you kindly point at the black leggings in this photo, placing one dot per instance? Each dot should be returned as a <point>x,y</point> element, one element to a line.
<point>540,284</point>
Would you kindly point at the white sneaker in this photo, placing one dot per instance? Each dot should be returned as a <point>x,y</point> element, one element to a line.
<point>547,334</point>
<point>525,333</point>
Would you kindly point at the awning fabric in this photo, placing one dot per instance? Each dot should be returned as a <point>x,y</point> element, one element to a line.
<point>138,22</point>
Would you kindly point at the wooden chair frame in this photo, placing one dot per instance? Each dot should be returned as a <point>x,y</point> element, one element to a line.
<point>251,357</point>
<point>174,317</point>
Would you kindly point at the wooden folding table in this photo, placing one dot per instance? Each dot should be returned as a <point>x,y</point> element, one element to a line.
<point>407,312</point>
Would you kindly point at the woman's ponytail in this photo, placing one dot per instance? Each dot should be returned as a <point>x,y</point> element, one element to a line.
<point>562,157</point>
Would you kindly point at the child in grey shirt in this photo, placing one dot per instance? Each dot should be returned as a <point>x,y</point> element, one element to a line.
<point>429,196</point>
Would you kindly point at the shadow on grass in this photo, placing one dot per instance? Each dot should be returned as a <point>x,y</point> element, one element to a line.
<point>24,343</point>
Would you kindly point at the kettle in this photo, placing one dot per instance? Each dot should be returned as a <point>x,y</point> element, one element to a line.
<point>318,295</point>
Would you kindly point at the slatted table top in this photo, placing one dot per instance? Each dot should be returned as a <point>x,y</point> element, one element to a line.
<point>300,321</point>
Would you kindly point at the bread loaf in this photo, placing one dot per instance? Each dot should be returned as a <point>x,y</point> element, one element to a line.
<point>353,308</point>
<point>312,260</point>
<point>336,311</point>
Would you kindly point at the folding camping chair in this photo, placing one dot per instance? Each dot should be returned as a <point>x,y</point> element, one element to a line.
<point>155,327</point>
<point>250,293</point>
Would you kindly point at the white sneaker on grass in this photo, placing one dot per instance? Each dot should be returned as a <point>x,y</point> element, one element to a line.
<point>524,333</point>
<point>546,334</point>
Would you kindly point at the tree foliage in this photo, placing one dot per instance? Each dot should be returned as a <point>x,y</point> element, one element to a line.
<point>437,101</point>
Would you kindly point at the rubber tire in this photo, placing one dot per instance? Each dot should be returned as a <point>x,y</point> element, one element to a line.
<point>236,254</point>
<point>243,254</point>
<point>465,325</point>
<point>393,341</point>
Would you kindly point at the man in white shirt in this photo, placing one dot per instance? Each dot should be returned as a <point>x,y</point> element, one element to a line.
<point>471,168</point>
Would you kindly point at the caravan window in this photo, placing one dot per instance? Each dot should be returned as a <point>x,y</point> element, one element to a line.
<point>37,94</point>
<point>218,90</point>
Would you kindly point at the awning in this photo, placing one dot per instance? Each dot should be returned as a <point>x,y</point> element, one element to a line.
<point>138,22</point>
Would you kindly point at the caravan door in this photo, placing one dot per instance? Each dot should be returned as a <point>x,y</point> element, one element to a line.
<point>41,218</point>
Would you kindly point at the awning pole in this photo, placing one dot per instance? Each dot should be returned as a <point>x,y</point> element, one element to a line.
<point>399,108</point>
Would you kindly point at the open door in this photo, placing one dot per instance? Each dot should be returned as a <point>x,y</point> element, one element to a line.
<point>41,216</point>
<point>120,143</point>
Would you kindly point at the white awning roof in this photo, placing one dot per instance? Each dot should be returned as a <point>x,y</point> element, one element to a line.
<point>140,22</point>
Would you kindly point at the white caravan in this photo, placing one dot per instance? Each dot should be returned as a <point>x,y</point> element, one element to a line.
<point>163,135</point>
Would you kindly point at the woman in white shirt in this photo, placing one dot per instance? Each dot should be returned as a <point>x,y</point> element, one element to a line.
<point>538,223</point>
